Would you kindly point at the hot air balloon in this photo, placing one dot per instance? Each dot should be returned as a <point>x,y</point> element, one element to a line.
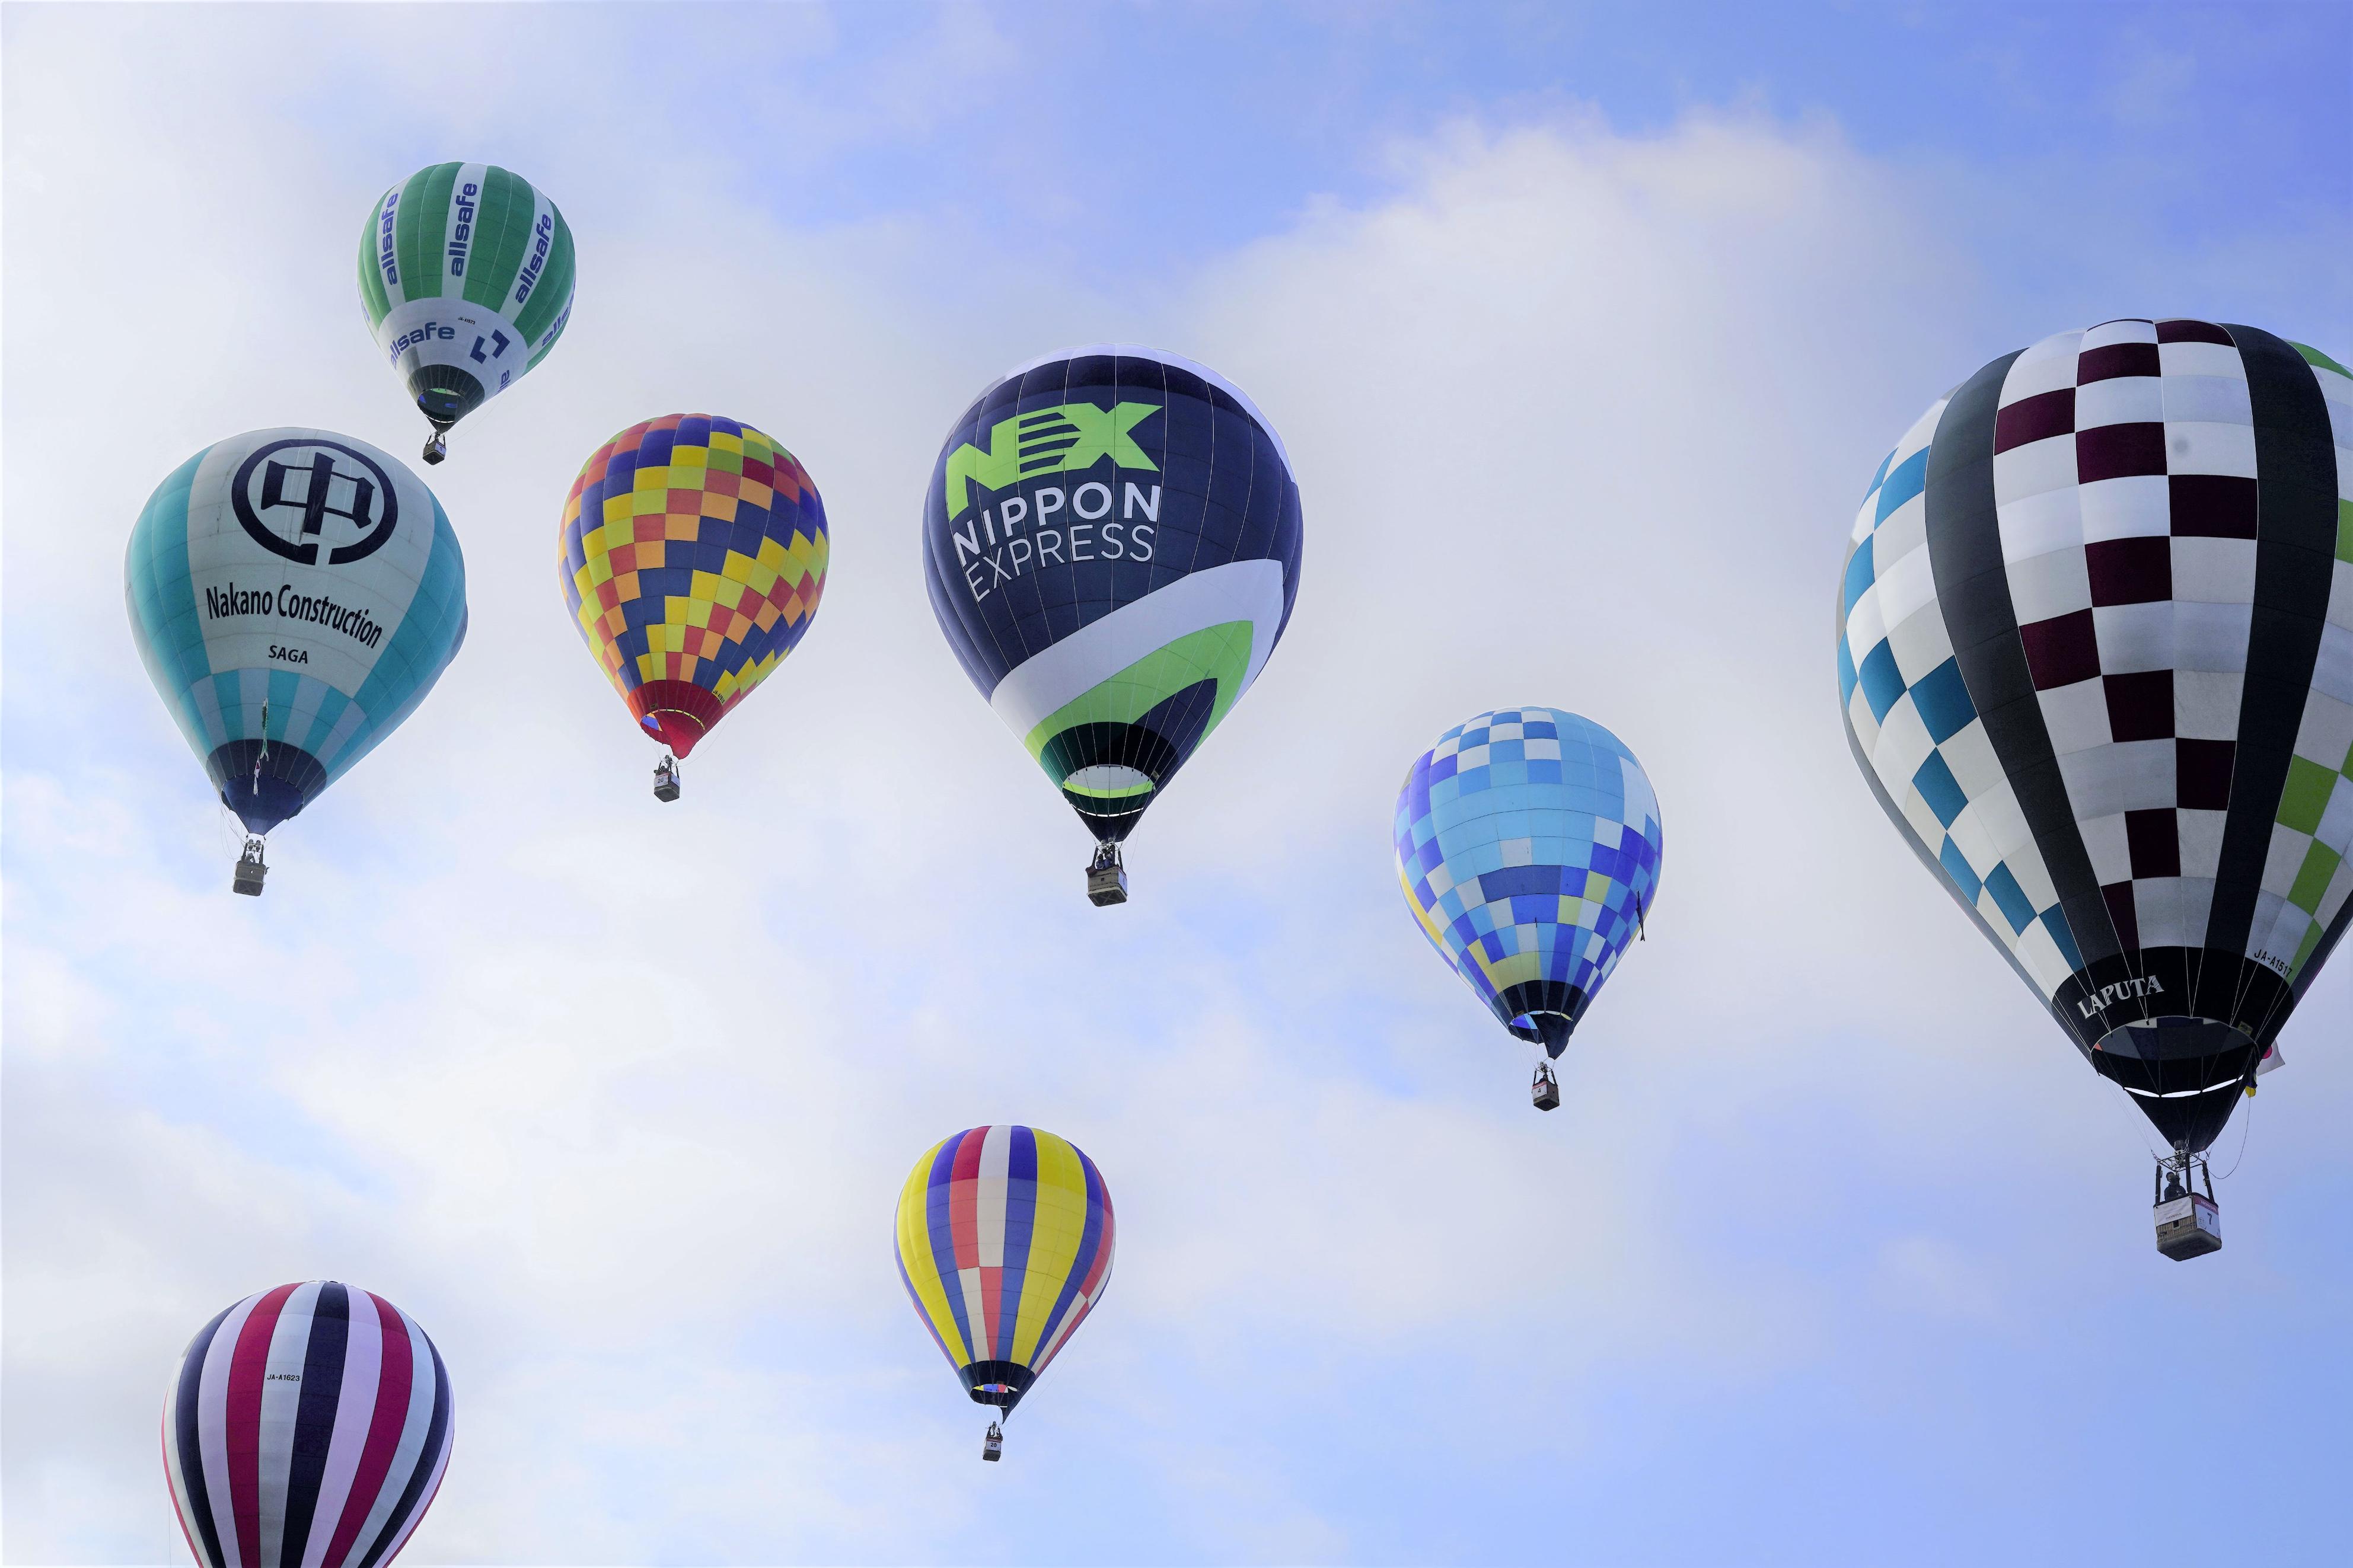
<point>466,279</point>
<point>295,594</point>
<point>2095,648</point>
<point>306,1428</point>
<point>1529,847</point>
<point>1004,1244</point>
<point>691,554</point>
<point>1112,542</point>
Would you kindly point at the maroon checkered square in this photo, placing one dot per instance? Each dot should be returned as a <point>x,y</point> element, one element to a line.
<point>2035,418</point>
<point>2201,775</point>
<point>2212,506</point>
<point>2140,705</point>
<point>2155,841</point>
<point>2118,897</point>
<point>2062,651</point>
<point>2186,332</point>
<point>2108,362</point>
<point>2119,451</point>
<point>2137,571</point>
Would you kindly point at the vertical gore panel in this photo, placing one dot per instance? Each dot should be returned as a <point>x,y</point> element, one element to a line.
<point>2296,543</point>
<point>1973,591</point>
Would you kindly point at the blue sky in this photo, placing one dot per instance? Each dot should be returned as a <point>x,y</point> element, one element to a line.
<point>1585,328</point>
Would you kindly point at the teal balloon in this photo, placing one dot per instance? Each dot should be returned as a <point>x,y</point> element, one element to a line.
<point>294,595</point>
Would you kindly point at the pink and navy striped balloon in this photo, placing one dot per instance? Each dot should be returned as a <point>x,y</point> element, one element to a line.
<point>306,1428</point>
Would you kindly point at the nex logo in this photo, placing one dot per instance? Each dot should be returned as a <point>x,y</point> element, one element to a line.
<point>499,341</point>
<point>1048,441</point>
<point>315,491</point>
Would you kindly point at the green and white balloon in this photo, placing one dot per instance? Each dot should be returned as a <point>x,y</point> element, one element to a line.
<point>466,277</point>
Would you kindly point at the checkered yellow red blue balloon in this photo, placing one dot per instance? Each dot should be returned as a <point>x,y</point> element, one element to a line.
<point>693,554</point>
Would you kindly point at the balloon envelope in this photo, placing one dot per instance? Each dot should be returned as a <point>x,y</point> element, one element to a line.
<point>307,1426</point>
<point>1529,847</point>
<point>1005,1245</point>
<point>2095,648</point>
<point>294,595</point>
<point>466,281</point>
<point>692,554</point>
<point>1112,542</point>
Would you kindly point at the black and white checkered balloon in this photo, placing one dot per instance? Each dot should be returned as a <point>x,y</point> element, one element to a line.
<point>2095,647</point>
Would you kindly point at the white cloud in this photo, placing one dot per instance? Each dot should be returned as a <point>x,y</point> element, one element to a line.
<point>615,1098</point>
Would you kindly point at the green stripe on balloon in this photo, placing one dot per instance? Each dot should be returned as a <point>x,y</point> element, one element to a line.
<point>501,236</point>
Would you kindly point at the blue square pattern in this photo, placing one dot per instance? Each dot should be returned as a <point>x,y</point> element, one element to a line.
<point>1937,788</point>
<point>2054,921</point>
<point>1940,698</point>
<point>1879,477</point>
<point>1903,474</point>
<point>1940,788</point>
<point>1498,805</point>
<point>1956,867</point>
<point>1860,576</point>
<point>1883,683</point>
<point>1904,481</point>
<point>2010,898</point>
<point>1945,708</point>
<point>1942,701</point>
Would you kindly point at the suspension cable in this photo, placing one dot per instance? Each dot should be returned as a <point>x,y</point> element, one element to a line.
<point>2246,1126</point>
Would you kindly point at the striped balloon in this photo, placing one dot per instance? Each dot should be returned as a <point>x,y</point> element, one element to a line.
<point>306,1428</point>
<point>1005,1245</point>
<point>466,280</point>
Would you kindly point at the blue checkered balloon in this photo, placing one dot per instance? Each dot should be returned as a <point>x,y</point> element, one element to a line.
<point>1528,845</point>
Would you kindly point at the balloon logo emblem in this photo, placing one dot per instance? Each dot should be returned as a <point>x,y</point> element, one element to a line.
<point>315,491</point>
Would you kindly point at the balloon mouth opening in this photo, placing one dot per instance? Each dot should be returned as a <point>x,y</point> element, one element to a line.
<point>444,393</point>
<point>998,1383</point>
<point>675,713</point>
<point>2230,1087</point>
<point>265,782</point>
<point>2163,1056</point>
<point>998,1395</point>
<point>2180,1072</point>
<point>1551,1030</point>
<point>1116,784</point>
